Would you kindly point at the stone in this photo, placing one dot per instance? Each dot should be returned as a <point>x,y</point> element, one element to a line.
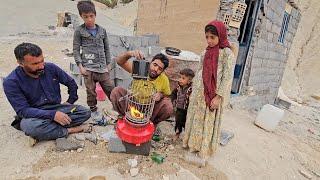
<point>80,137</point>
<point>165,177</point>
<point>108,135</point>
<point>79,150</point>
<point>176,166</point>
<point>171,147</point>
<point>225,137</point>
<point>316,173</point>
<point>166,129</point>
<point>98,178</point>
<point>194,159</point>
<point>64,144</point>
<point>305,174</point>
<point>186,174</point>
<point>91,137</point>
<point>316,97</point>
<point>18,171</point>
<point>115,145</point>
<point>132,163</point>
<point>134,172</point>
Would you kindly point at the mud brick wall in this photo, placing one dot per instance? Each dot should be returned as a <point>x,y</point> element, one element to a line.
<point>175,66</point>
<point>179,23</point>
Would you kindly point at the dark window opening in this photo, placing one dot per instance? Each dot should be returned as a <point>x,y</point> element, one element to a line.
<point>284,27</point>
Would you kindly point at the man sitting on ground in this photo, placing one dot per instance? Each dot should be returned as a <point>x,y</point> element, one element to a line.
<point>163,107</point>
<point>33,90</point>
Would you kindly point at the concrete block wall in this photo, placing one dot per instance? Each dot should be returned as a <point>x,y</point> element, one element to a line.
<point>267,57</point>
<point>148,44</point>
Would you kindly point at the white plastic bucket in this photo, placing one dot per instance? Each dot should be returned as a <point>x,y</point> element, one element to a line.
<point>269,117</point>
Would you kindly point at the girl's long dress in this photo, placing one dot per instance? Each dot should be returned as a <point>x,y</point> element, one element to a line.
<point>202,130</point>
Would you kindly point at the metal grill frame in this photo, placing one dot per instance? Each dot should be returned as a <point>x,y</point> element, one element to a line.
<point>145,105</point>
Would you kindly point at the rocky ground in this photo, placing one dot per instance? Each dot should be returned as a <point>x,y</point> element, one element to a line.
<point>291,152</point>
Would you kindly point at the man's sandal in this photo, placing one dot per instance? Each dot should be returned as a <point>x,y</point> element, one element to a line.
<point>87,128</point>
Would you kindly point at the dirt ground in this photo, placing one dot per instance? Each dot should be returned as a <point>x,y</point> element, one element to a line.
<point>288,153</point>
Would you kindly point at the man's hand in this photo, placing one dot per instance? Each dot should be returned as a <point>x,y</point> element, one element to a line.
<point>109,67</point>
<point>136,53</point>
<point>215,102</point>
<point>66,103</point>
<point>62,118</point>
<point>157,96</point>
<point>83,70</point>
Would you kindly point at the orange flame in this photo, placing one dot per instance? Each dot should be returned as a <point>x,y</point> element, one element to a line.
<point>136,113</point>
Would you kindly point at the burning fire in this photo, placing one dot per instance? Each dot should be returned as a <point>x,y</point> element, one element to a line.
<point>136,113</point>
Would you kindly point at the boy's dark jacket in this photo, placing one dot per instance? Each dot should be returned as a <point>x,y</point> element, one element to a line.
<point>95,53</point>
<point>180,96</point>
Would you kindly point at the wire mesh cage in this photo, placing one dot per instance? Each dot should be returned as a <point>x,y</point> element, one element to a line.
<point>140,102</point>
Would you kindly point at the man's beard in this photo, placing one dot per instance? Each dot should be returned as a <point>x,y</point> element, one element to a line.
<point>153,75</point>
<point>38,72</point>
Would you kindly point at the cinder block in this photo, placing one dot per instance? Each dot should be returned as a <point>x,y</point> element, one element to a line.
<point>124,83</point>
<point>137,41</point>
<point>74,69</point>
<point>270,37</point>
<point>153,50</point>
<point>133,41</point>
<point>153,39</point>
<point>78,79</point>
<point>276,28</point>
<point>143,149</point>
<point>115,145</point>
<point>144,50</point>
<point>117,50</point>
<point>268,25</point>
<point>114,40</point>
<point>144,41</point>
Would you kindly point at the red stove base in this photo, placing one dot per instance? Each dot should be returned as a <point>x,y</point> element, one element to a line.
<point>134,134</point>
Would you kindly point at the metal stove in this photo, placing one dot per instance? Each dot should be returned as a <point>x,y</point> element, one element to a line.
<point>135,129</point>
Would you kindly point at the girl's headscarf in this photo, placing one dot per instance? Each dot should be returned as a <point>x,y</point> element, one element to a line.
<point>210,63</point>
